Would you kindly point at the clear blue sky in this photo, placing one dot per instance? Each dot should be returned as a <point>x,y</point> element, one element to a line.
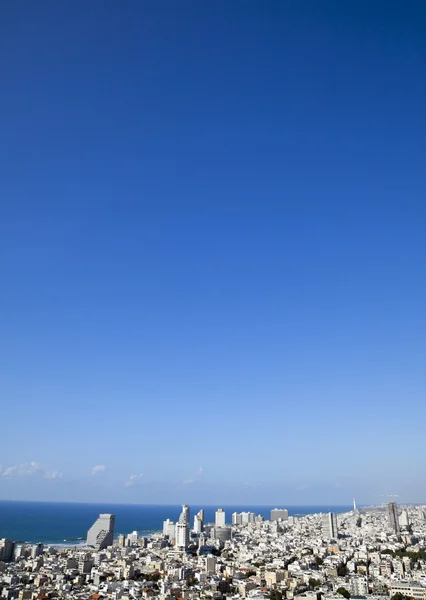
<point>212,247</point>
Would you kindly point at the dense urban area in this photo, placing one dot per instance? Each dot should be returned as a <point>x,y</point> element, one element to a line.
<point>378,552</point>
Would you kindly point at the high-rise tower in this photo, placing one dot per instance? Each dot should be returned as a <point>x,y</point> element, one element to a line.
<point>329,526</point>
<point>199,521</point>
<point>393,517</point>
<point>101,533</point>
<point>182,528</point>
<point>220,518</point>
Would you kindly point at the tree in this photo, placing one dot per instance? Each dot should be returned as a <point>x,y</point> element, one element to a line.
<point>344,592</point>
<point>399,596</point>
<point>224,586</point>
<point>342,571</point>
<point>313,583</point>
<point>190,581</point>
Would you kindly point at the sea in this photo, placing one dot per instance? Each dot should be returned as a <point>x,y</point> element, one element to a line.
<point>62,523</point>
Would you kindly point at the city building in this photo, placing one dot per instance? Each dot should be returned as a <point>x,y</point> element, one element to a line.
<point>133,538</point>
<point>358,586</point>
<point>199,521</point>
<point>210,564</point>
<point>101,533</point>
<point>221,533</point>
<point>393,517</point>
<point>169,529</point>
<point>37,550</point>
<point>182,529</point>
<point>279,514</point>
<point>236,518</point>
<point>243,518</point>
<point>408,590</point>
<point>247,517</point>
<point>7,548</point>
<point>220,518</point>
<point>329,526</point>
<point>182,537</point>
<point>404,520</point>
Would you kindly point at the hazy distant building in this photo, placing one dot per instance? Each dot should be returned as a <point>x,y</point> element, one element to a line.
<point>133,538</point>
<point>329,526</point>
<point>393,517</point>
<point>7,548</point>
<point>182,529</point>
<point>121,540</point>
<point>199,521</point>
<point>404,519</point>
<point>243,518</point>
<point>219,518</point>
<point>37,550</point>
<point>185,515</point>
<point>169,529</point>
<point>236,518</point>
<point>210,564</point>
<point>279,514</point>
<point>101,533</point>
<point>221,533</point>
<point>247,517</point>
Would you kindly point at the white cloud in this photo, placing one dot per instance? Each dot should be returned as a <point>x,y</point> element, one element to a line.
<point>98,469</point>
<point>53,475</point>
<point>194,477</point>
<point>133,479</point>
<point>29,469</point>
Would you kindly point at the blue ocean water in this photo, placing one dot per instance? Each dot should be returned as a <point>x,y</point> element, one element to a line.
<point>57,522</point>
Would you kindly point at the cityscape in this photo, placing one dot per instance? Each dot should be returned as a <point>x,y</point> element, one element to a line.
<point>213,293</point>
<point>377,552</point>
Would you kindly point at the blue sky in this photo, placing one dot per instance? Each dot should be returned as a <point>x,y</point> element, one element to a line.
<point>212,242</point>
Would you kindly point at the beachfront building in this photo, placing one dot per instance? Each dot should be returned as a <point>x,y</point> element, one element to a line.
<point>219,518</point>
<point>101,533</point>
<point>279,514</point>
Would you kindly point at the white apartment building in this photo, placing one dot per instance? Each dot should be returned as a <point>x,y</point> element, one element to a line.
<point>220,518</point>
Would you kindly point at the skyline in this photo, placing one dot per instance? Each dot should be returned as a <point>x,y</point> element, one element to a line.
<point>212,251</point>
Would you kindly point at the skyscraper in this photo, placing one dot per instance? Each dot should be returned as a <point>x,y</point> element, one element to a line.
<point>279,514</point>
<point>133,538</point>
<point>404,519</point>
<point>220,518</point>
<point>199,521</point>
<point>236,518</point>
<point>393,517</point>
<point>329,526</point>
<point>101,533</point>
<point>7,548</point>
<point>169,529</point>
<point>182,528</point>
